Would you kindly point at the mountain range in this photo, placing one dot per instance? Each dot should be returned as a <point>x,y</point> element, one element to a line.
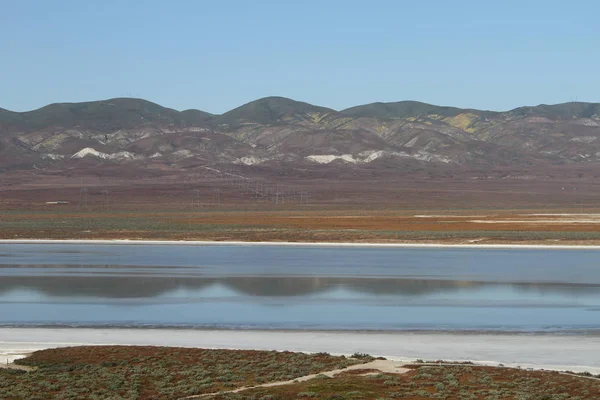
<point>276,130</point>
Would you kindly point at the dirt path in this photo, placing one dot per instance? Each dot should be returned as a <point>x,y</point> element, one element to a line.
<point>386,366</point>
<point>580,376</point>
<point>16,366</point>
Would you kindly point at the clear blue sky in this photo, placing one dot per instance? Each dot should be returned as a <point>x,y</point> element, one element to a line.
<point>216,55</point>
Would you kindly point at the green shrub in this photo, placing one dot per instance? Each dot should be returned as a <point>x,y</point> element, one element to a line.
<point>307,394</point>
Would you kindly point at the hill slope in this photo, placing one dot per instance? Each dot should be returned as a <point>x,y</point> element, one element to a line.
<point>273,110</point>
<point>277,130</point>
<point>401,109</point>
<point>101,116</point>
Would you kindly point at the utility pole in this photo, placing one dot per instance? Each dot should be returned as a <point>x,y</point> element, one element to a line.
<point>83,198</point>
<point>196,201</point>
<point>217,197</point>
<point>279,195</point>
<point>304,196</point>
<point>105,200</point>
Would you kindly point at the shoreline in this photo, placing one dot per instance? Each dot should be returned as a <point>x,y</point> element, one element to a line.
<point>299,244</point>
<point>577,352</point>
<point>483,332</point>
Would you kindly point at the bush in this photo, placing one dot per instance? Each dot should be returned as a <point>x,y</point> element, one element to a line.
<point>307,394</point>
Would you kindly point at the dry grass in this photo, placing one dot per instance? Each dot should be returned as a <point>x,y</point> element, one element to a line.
<point>489,226</point>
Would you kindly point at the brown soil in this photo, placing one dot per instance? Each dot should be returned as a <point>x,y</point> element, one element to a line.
<point>344,206</point>
<point>479,227</point>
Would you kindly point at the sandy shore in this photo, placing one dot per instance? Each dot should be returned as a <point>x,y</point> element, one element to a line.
<point>306,244</point>
<point>559,352</point>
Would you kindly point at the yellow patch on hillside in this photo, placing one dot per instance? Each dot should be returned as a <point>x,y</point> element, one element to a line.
<point>340,123</point>
<point>436,117</point>
<point>241,135</point>
<point>381,129</point>
<point>463,121</point>
<point>52,142</point>
<point>317,117</point>
<point>55,140</point>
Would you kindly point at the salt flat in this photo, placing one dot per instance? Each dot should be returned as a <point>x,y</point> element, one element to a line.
<point>306,244</point>
<point>558,352</point>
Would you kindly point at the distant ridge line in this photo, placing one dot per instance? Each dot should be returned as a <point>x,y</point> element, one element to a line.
<point>349,110</point>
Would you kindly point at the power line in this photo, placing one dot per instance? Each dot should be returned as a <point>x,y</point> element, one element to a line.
<point>196,200</point>
<point>83,198</point>
<point>105,200</point>
<point>217,197</point>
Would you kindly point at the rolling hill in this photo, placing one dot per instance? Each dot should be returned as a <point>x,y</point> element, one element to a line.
<point>273,110</point>
<point>401,109</point>
<point>276,130</point>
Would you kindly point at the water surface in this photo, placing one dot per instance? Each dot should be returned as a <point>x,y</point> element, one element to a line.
<point>287,287</point>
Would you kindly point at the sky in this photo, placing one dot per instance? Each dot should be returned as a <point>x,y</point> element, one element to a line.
<point>216,55</point>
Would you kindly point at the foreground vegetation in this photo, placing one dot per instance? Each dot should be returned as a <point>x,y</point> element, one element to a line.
<point>135,372</point>
<point>438,382</point>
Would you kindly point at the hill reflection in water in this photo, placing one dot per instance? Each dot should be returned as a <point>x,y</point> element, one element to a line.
<point>96,295</point>
<point>146,285</point>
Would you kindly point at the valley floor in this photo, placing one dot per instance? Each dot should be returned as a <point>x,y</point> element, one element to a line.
<point>577,351</point>
<point>553,205</point>
<point>471,227</point>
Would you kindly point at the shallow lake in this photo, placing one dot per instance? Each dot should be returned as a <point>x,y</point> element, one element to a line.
<point>292,287</point>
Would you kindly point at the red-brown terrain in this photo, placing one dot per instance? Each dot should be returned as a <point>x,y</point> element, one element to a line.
<point>355,174</point>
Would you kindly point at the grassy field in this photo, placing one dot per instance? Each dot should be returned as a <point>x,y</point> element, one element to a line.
<point>132,372</point>
<point>388,226</point>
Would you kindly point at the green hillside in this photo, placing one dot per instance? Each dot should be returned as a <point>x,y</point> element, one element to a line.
<point>560,111</point>
<point>404,109</point>
<point>271,110</point>
<point>101,116</point>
